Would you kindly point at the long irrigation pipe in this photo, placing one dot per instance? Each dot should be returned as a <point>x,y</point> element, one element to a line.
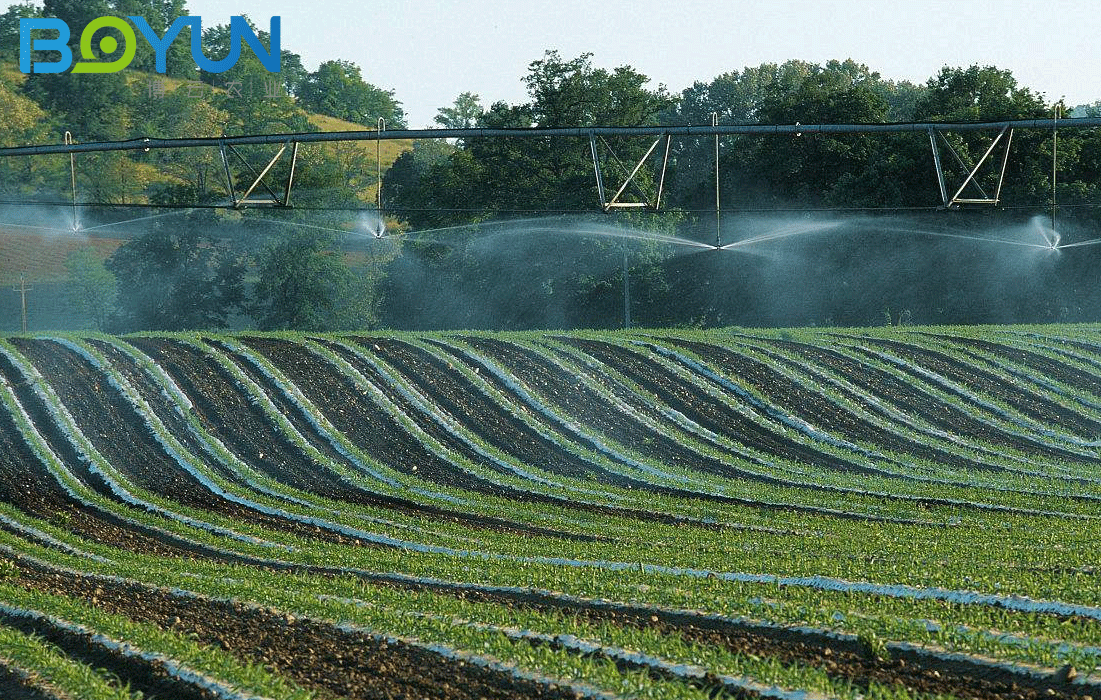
<point>146,143</point>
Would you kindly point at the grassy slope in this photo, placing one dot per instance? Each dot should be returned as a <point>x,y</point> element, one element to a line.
<point>40,256</point>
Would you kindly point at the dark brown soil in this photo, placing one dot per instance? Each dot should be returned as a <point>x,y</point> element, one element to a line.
<point>228,412</point>
<point>582,402</point>
<point>148,677</point>
<point>1029,403</point>
<point>840,658</point>
<point>817,410</point>
<point>706,410</point>
<point>631,483</point>
<point>1059,371</point>
<point>116,430</point>
<point>910,398</point>
<point>478,413</point>
<point>27,484</point>
<point>366,424</point>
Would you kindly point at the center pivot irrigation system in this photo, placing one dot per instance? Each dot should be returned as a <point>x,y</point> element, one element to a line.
<point>289,143</point>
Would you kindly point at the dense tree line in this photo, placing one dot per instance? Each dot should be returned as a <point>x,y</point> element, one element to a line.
<point>313,269</point>
<point>888,263</point>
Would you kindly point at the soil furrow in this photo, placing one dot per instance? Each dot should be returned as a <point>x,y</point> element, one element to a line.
<point>911,399</point>
<point>466,404</point>
<point>1029,403</point>
<point>115,429</point>
<point>781,390</point>
<point>1059,371</point>
<point>314,654</point>
<point>148,677</point>
<point>668,490</point>
<point>362,495</point>
<point>708,411</point>
<point>580,401</point>
<point>27,484</point>
<point>252,633</point>
<point>14,685</point>
<point>351,411</point>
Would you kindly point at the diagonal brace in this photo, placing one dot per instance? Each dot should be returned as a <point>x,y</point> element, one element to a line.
<point>956,200</point>
<point>276,200</point>
<point>615,203</point>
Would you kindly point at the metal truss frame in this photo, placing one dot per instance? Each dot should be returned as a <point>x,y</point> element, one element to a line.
<point>615,201</point>
<point>958,199</point>
<point>275,201</point>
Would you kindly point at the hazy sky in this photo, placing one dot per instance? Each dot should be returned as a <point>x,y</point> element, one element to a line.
<point>428,51</point>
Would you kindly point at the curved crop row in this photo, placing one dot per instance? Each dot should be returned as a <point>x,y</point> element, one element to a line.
<point>848,514</point>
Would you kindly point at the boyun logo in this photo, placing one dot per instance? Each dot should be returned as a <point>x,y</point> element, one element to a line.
<point>238,29</point>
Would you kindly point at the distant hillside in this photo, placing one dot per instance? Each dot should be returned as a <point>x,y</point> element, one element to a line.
<point>39,255</point>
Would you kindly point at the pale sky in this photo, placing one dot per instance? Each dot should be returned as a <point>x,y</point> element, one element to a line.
<point>429,51</point>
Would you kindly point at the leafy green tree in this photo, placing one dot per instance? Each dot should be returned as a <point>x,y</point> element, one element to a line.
<point>574,93</point>
<point>92,289</point>
<point>177,278</point>
<point>753,169</point>
<point>488,176</point>
<point>24,122</point>
<point>91,106</point>
<point>9,28</point>
<point>160,14</point>
<point>978,93</point>
<point>195,175</point>
<point>407,180</point>
<point>337,88</point>
<point>293,72</point>
<point>795,167</point>
<point>987,93</point>
<point>305,284</point>
<point>463,114</point>
<point>734,98</point>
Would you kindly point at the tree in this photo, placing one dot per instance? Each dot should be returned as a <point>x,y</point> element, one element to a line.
<point>987,93</point>
<point>160,14</point>
<point>305,284</point>
<point>177,278</point>
<point>409,176</point>
<point>196,174</point>
<point>91,106</point>
<point>9,28</point>
<point>463,114</point>
<point>92,288</point>
<point>490,175</point>
<point>978,93</point>
<point>293,72</point>
<point>794,168</point>
<point>24,122</point>
<point>337,88</point>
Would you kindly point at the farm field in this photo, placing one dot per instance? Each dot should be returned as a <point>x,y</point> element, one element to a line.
<point>834,513</point>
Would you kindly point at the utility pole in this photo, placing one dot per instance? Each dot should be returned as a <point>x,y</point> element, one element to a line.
<point>22,290</point>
